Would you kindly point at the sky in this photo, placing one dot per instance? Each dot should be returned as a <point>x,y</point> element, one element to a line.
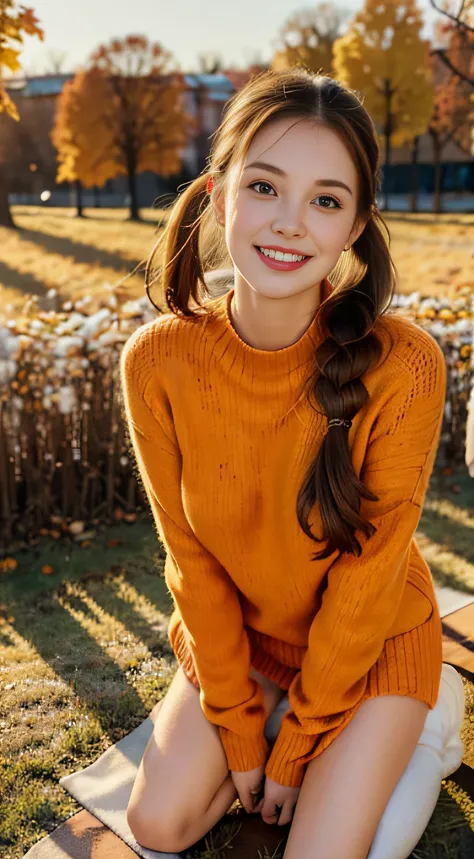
<point>241,32</point>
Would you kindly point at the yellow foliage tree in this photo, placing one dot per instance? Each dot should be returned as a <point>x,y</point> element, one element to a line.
<point>307,39</point>
<point>121,117</point>
<point>79,114</point>
<point>15,21</point>
<point>384,57</point>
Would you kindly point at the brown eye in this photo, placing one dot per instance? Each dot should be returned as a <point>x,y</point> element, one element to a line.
<point>261,183</point>
<point>328,197</point>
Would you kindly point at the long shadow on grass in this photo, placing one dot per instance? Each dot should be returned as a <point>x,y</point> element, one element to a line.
<point>23,281</point>
<point>153,588</point>
<point>78,659</point>
<point>456,536</point>
<point>90,215</point>
<point>448,580</point>
<point>81,253</point>
<point>452,536</point>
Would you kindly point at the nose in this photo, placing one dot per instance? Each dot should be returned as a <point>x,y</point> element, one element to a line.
<point>289,221</point>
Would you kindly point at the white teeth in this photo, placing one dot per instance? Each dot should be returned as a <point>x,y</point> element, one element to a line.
<point>281,256</point>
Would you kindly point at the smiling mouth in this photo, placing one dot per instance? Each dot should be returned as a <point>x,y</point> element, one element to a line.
<point>282,265</point>
<point>292,253</point>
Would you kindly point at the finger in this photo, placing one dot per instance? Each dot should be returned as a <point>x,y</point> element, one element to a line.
<point>256,798</point>
<point>286,814</point>
<point>258,793</point>
<point>269,813</point>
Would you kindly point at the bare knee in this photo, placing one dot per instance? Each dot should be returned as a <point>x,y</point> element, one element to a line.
<point>173,832</point>
<point>156,831</point>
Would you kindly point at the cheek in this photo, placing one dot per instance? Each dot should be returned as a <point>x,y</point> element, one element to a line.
<point>333,229</point>
<point>243,226</point>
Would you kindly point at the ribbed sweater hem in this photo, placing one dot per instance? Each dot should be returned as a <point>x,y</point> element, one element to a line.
<point>244,753</point>
<point>280,667</point>
<point>410,664</point>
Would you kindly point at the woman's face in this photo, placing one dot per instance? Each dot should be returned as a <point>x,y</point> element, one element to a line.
<point>305,210</point>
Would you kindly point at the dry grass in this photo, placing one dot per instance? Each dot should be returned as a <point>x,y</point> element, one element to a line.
<point>432,253</point>
<point>83,653</point>
<point>77,256</point>
<point>53,248</point>
<point>84,657</point>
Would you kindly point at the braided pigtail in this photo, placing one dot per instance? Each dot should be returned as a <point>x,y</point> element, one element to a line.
<point>348,351</point>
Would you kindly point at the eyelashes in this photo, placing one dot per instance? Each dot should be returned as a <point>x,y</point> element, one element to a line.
<point>326,196</point>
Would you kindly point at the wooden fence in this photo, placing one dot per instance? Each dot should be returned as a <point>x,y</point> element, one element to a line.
<point>65,461</point>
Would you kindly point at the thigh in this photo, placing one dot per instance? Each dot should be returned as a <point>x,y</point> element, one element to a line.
<point>184,763</point>
<point>352,780</point>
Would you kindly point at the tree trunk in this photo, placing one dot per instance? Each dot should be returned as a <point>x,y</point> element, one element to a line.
<point>78,187</point>
<point>437,209</point>
<point>388,133</point>
<point>6,219</point>
<point>414,175</point>
<point>132,190</point>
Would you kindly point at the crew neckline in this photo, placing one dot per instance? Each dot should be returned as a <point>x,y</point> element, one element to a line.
<point>302,348</point>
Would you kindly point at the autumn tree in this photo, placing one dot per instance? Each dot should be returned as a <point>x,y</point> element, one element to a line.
<point>307,38</point>
<point>384,57</point>
<point>452,118</point>
<point>15,22</point>
<point>122,116</point>
<point>26,151</point>
<point>82,111</point>
<point>459,14</point>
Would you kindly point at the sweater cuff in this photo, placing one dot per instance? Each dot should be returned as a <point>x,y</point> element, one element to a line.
<point>243,753</point>
<point>286,764</point>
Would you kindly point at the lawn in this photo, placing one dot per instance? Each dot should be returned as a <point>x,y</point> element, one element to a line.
<point>84,656</point>
<point>55,249</point>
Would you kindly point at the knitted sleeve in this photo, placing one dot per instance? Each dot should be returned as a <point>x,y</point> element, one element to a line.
<point>362,596</point>
<point>201,588</point>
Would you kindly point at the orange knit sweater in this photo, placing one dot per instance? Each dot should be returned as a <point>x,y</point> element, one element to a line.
<point>223,439</point>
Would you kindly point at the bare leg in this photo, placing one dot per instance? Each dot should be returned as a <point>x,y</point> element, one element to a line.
<point>346,789</point>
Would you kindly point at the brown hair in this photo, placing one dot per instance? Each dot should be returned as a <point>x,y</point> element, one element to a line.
<point>363,279</point>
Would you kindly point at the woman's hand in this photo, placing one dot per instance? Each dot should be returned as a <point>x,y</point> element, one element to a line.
<point>249,785</point>
<point>279,802</point>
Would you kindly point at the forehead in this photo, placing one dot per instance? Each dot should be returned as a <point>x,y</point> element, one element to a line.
<point>302,145</point>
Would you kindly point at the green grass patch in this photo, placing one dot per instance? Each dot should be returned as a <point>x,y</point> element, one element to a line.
<point>84,657</point>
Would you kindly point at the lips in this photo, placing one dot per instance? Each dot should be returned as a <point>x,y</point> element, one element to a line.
<point>280,265</point>
<point>282,250</point>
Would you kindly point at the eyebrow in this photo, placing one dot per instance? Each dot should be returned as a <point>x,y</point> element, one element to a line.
<point>324,183</point>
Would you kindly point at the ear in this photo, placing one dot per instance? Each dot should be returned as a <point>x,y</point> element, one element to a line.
<point>218,204</point>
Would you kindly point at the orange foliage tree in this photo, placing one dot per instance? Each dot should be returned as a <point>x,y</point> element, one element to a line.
<point>452,117</point>
<point>15,22</point>
<point>459,15</point>
<point>122,116</point>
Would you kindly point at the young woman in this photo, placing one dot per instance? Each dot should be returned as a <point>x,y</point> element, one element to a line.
<point>285,433</point>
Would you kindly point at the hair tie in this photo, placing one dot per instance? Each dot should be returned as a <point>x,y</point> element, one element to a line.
<point>339,422</point>
<point>210,184</point>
